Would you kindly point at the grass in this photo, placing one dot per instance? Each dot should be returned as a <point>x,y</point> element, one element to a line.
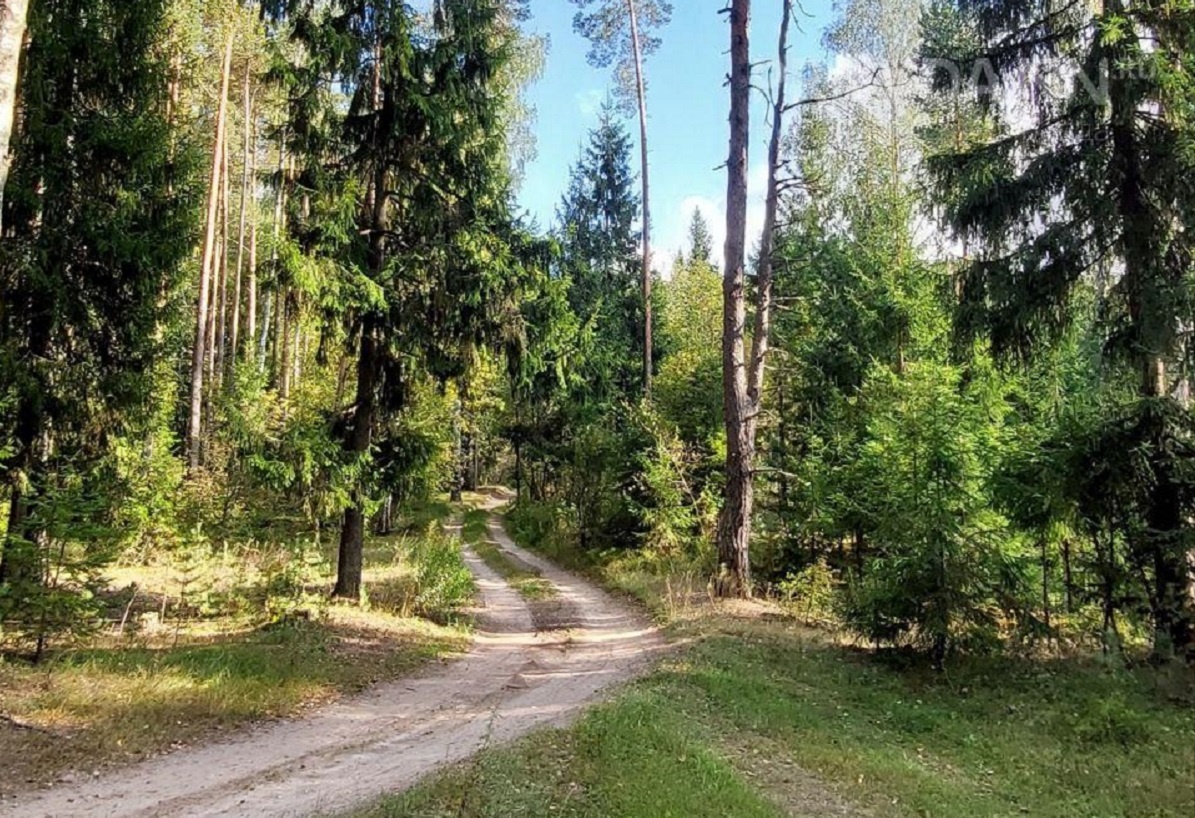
<point>761,719</point>
<point>213,663</point>
<point>757,717</point>
<point>525,579</point>
<point>475,526</point>
<point>672,591</point>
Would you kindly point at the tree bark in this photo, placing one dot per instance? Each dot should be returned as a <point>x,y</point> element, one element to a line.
<point>220,344</point>
<point>13,15</point>
<point>282,344</point>
<point>767,245</point>
<point>734,525</point>
<point>251,306</point>
<point>195,418</point>
<point>352,535</point>
<point>17,563</point>
<point>641,93</point>
<point>279,216</point>
<point>246,178</point>
<point>743,377</point>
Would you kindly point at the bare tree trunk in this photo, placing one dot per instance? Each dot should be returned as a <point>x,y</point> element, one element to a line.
<point>282,345</point>
<point>352,535</point>
<point>743,377</point>
<point>734,526</point>
<point>13,14</point>
<point>641,92</point>
<point>297,351</point>
<point>251,306</point>
<point>219,348</point>
<point>246,178</point>
<point>279,215</point>
<point>767,244</point>
<point>195,419</point>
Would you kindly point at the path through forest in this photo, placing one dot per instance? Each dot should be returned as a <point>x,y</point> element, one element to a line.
<point>513,680</point>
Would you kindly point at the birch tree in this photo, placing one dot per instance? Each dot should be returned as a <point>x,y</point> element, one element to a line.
<point>13,15</point>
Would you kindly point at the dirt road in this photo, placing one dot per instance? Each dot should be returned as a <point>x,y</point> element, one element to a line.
<point>512,681</point>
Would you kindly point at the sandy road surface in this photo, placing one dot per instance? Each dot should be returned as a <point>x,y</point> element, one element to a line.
<point>512,681</point>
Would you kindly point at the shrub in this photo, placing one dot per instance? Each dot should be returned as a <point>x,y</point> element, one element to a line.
<point>809,594</point>
<point>444,581</point>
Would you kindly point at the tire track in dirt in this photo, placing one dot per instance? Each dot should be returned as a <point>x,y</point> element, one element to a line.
<point>516,678</point>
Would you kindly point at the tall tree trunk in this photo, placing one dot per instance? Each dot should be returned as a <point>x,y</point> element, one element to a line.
<point>641,93</point>
<point>767,245</point>
<point>352,535</point>
<point>734,526</point>
<point>17,561</point>
<point>219,345</point>
<point>298,349</point>
<point>246,180</point>
<point>279,216</point>
<point>13,14</point>
<point>195,418</point>
<point>743,377</point>
<point>282,344</point>
<point>251,306</point>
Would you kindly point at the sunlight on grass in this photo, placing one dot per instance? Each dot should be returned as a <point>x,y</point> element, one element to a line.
<point>184,659</point>
<point>522,577</point>
<point>762,719</point>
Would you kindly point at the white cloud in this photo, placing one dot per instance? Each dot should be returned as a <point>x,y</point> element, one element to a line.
<point>590,103</point>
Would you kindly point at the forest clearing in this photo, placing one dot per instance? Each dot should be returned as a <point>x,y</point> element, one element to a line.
<point>488,408</point>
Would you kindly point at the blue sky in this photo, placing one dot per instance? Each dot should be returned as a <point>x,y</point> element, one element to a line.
<point>687,104</point>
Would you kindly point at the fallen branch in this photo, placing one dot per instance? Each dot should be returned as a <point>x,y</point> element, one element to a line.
<point>20,724</point>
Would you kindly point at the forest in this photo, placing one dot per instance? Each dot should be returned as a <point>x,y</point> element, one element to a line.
<point>879,492</point>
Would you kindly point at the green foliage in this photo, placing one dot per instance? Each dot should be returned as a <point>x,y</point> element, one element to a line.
<point>444,581</point>
<point>810,594</point>
<point>80,327</point>
<point>939,570</point>
<point>1087,185</point>
<point>599,245</point>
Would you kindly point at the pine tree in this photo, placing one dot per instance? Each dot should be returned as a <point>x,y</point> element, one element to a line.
<point>620,34</point>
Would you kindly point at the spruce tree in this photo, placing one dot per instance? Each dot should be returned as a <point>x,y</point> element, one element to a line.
<point>99,217</point>
<point>598,241</point>
<point>423,143</point>
<point>1097,181</point>
<point>701,242</point>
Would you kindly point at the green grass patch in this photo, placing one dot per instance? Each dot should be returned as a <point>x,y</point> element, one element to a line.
<point>475,526</point>
<point>633,759</point>
<point>529,582</point>
<point>711,731</point>
<point>227,637</point>
<point>421,515</point>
